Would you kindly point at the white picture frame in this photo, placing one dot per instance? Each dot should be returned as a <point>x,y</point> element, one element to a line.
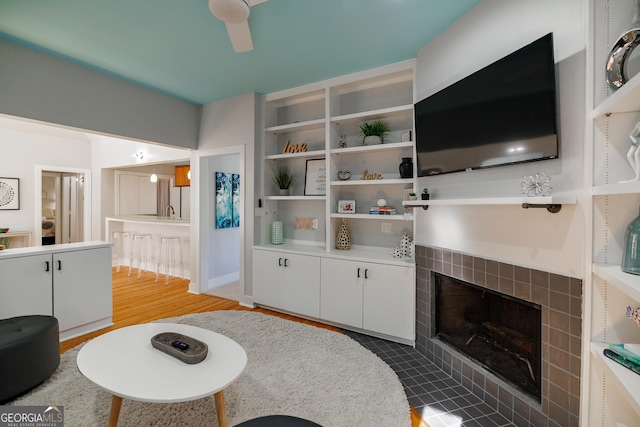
<point>346,206</point>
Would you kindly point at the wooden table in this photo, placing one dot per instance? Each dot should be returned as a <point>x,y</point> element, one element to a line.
<point>124,363</point>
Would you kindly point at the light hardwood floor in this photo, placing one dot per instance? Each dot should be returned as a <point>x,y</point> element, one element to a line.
<point>143,300</point>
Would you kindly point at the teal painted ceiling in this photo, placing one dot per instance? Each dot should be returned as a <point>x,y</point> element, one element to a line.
<point>178,48</point>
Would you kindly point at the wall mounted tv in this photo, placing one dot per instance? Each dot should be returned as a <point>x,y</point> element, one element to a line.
<point>502,114</point>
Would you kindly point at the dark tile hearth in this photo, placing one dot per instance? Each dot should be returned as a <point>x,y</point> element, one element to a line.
<point>442,401</point>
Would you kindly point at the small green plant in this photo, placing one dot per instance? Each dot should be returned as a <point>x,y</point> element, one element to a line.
<point>412,194</point>
<point>375,128</point>
<point>283,177</point>
<point>425,190</point>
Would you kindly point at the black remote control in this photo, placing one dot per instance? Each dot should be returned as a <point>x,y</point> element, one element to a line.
<point>180,345</point>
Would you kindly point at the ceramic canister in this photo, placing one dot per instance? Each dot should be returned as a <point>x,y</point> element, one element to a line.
<point>277,233</point>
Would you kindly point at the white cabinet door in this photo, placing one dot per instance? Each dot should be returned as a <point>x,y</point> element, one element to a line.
<point>25,286</point>
<point>287,281</point>
<point>82,286</point>
<point>374,297</point>
<point>136,195</point>
<point>127,194</point>
<point>341,292</point>
<point>147,196</point>
<point>389,300</point>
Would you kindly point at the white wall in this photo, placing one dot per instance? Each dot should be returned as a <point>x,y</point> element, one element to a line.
<point>39,86</point>
<point>532,238</point>
<point>23,145</point>
<point>228,126</point>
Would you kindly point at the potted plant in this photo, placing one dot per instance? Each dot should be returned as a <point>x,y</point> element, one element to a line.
<point>425,193</point>
<point>374,132</point>
<point>412,196</point>
<point>284,178</point>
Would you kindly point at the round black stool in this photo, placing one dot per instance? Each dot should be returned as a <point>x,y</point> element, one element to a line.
<point>278,421</point>
<point>29,353</point>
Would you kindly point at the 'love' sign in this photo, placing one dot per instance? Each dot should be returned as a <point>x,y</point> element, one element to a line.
<point>290,148</point>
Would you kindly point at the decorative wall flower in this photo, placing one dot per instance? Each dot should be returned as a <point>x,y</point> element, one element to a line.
<point>536,185</point>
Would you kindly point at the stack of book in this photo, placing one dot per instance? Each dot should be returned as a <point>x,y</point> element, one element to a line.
<point>382,210</point>
<point>628,355</point>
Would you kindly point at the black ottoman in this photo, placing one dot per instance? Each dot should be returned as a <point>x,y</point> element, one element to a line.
<point>29,353</point>
<point>278,421</point>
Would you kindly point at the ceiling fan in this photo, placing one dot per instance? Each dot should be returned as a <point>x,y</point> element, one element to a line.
<point>235,15</point>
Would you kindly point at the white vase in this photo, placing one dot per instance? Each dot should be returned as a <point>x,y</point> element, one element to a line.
<point>372,140</point>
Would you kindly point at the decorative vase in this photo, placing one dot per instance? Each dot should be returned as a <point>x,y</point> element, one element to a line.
<point>343,238</point>
<point>284,191</point>
<point>277,233</point>
<point>631,255</point>
<point>372,140</point>
<point>425,196</point>
<point>406,167</point>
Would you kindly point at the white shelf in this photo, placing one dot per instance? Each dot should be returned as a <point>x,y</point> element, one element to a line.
<point>296,127</point>
<point>383,181</point>
<point>626,379</point>
<point>619,188</point>
<point>372,114</point>
<point>623,100</point>
<point>613,274</point>
<point>290,198</point>
<point>396,217</point>
<point>356,253</point>
<point>373,148</point>
<point>315,153</point>
<point>546,200</point>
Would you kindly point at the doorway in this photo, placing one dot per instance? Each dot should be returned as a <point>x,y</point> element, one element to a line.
<point>221,251</point>
<point>62,205</point>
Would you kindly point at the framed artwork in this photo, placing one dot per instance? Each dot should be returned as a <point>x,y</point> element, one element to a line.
<point>235,200</point>
<point>346,206</point>
<point>227,200</point>
<point>9,193</point>
<point>224,203</point>
<point>315,179</point>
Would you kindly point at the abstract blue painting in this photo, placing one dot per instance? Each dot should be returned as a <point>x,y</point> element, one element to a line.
<point>235,190</point>
<point>224,205</point>
<point>227,200</point>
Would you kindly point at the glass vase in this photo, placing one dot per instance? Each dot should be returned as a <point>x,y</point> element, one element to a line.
<point>631,255</point>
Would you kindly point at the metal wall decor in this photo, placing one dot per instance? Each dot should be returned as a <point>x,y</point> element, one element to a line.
<point>9,193</point>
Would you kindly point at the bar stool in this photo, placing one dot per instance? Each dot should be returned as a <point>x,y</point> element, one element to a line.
<point>170,257</point>
<point>121,247</point>
<point>141,252</point>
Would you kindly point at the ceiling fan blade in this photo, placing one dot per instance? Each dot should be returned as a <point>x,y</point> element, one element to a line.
<point>240,36</point>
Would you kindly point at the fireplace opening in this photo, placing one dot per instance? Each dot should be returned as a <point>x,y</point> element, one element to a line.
<point>500,332</point>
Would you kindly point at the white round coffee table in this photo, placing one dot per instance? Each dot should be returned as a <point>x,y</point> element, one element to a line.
<point>124,363</point>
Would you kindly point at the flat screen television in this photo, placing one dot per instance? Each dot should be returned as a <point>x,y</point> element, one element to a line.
<point>503,114</point>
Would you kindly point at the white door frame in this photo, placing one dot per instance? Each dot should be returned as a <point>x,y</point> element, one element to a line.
<point>200,223</point>
<point>37,227</point>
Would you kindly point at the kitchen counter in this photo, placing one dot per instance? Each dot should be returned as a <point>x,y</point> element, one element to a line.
<point>151,218</point>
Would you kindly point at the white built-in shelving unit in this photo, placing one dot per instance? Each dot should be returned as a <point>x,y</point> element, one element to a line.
<point>364,288</point>
<point>610,392</point>
<point>318,115</point>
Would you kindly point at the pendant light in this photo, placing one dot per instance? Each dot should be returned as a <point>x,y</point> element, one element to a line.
<point>153,177</point>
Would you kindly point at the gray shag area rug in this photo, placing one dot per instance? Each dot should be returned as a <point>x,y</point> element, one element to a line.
<point>292,369</point>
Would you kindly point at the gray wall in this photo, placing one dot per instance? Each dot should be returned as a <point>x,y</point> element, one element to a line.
<point>38,86</point>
